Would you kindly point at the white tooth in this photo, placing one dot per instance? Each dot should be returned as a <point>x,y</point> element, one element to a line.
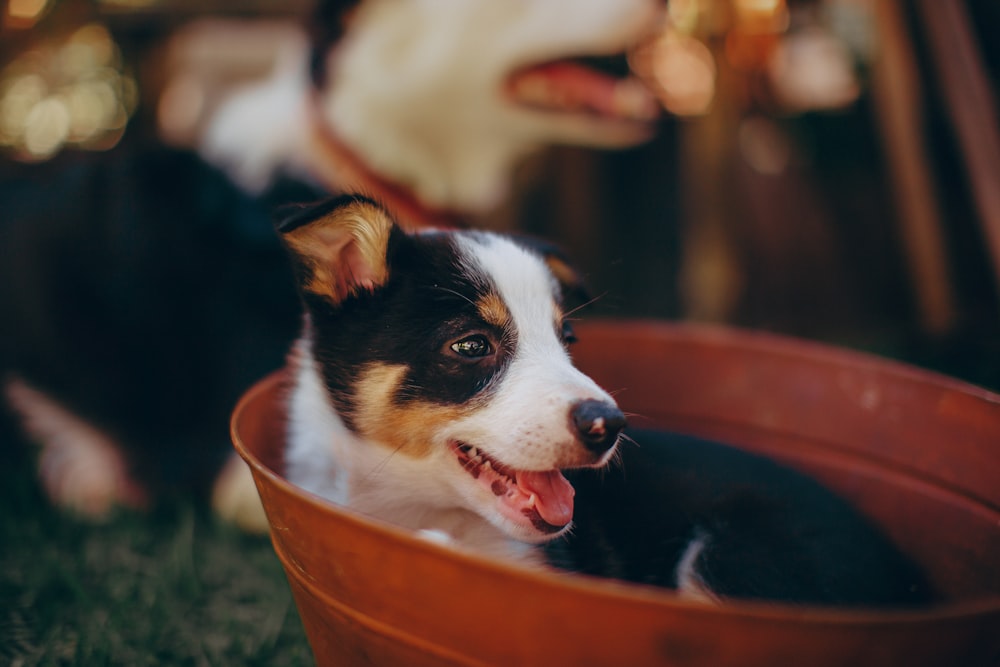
<point>532,499</point>
<point>487,466</point>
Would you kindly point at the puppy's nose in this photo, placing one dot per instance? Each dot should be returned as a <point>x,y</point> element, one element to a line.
<point>598,423</point>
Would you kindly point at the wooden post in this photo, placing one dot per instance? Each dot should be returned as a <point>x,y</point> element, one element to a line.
<point>972,107</point>
<point>896,92</point>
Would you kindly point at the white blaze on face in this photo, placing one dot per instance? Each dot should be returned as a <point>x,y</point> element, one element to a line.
<point>526,422</point>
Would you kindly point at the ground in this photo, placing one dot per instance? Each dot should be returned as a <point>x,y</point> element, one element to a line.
<point>176,587</point>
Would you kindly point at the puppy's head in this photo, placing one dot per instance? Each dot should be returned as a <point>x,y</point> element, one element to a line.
<point>447,350</point>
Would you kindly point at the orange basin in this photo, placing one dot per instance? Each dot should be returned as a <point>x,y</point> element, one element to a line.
<point>917,452</point>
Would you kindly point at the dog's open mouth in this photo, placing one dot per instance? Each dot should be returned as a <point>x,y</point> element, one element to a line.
<point>582,86</point>
<point>543,498</point>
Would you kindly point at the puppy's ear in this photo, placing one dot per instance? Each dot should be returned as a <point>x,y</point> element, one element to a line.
<point>339,246</point>
<point>573,285</point>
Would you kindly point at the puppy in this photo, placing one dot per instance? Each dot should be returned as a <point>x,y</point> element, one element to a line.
<point>433,389</point>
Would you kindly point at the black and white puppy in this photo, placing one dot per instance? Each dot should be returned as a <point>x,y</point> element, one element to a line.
<point>433,388</point>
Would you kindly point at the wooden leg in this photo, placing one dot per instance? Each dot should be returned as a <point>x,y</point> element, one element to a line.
<point>896,91</point>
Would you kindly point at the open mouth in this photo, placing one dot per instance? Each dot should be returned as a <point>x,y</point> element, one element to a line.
<point>542,498</point>
<point>584,86</point>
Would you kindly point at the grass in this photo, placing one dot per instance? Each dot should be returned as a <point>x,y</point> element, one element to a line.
<point>177,587</point>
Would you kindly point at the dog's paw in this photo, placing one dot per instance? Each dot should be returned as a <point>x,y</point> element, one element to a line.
<point>80,468</point>
<point>235,498</point>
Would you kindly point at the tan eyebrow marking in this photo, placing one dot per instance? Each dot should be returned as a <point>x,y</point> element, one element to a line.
<point>492,309</point>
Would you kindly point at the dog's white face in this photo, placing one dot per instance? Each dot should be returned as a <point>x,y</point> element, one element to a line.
<point>434,377</point>
<point>443,96</point>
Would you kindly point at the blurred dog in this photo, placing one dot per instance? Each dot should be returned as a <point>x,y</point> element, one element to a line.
<point>432,388</point>
<point>143,290</point>
<point>431,105</point>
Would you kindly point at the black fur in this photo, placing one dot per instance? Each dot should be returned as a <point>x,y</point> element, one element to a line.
<point>770,532</point>
<point>326,27</point>
<point>427,304</point>
<point>145,292</point>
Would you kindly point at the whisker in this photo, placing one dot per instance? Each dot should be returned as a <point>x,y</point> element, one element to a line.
<point>382,464</point>
<point>585,304</point>
<point>614,463</point>
<point>635,414</point>
<point>448,290</point>
<point>616,459</point>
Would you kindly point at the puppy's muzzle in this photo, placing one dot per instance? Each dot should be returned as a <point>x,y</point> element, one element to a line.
<point>598,424</point>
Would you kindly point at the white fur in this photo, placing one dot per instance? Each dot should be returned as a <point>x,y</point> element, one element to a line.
<point>325,458</point>
<point>525,424</point>
<point>416,91</point>
<point>318,441</point>
<point>689,582</point>
<point>263,128</point>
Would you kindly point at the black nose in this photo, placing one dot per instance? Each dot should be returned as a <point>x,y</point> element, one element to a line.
<point>598,423</point>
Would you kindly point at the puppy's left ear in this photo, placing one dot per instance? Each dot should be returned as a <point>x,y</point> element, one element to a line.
<point>561,267</point>
<point>339,246</point>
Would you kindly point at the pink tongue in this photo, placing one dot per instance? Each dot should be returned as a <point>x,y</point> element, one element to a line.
<point>554,495</point>
<point>575,87</point>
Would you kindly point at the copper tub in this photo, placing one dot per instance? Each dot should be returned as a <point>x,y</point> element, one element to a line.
<point>918,452</point>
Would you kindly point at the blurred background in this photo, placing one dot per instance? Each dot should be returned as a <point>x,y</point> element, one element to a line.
<point>826,168</point>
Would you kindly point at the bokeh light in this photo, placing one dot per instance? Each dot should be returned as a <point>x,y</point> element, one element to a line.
<point>811,70</point>
<point>24,13</point>
<point>680,69</point>
<point>70,93</point>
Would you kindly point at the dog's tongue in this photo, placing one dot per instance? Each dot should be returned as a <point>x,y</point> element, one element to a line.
<point>553,494</point>
<point>572,87</point>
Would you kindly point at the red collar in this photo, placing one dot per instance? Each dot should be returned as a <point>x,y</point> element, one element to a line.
<point>339,168</point>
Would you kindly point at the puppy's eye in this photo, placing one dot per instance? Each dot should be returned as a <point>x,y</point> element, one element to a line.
<point>472,347</point>
<point>568,336</point>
